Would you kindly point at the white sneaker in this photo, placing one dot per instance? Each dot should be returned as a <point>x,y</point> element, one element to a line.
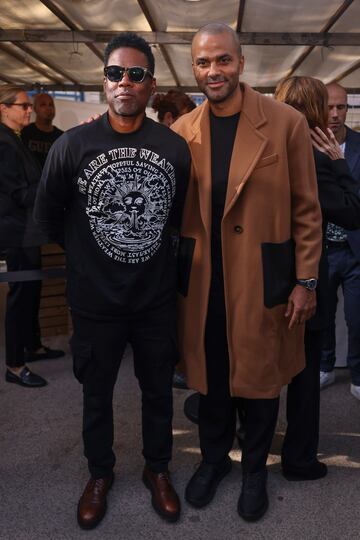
<point>355,391</point>
<point>326,378</point>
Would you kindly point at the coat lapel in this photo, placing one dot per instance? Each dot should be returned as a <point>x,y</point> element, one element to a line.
<point>200,149</point>
<point>249,145</point>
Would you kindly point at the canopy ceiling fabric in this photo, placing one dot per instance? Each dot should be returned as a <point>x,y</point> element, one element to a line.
<point>58,44</point>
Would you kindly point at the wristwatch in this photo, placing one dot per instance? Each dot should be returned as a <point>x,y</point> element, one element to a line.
<point>309,284</point>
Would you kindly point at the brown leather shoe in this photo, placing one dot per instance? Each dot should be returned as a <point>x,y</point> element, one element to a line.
<point>92,503</point>
<point>163,496</point>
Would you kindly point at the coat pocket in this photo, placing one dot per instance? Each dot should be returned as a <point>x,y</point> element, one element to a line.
<point>82,354</point>
<point>279,273</point>
<point>185,257</point>
<point>267,160</point>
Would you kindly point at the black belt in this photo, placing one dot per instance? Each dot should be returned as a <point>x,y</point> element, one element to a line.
<point>333,244</point>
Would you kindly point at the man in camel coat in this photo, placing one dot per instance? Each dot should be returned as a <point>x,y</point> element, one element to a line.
<point>249,253</point>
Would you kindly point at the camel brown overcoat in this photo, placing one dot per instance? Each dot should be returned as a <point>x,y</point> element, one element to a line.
<point>271,234</point>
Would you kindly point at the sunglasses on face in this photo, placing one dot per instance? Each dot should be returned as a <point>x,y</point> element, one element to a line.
<point>136,74</point>
<point>25,106</point>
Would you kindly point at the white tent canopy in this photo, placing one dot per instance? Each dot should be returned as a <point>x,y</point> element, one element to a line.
<point>58,44</point>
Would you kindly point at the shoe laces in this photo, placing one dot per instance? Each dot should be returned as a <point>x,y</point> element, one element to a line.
<point>164,477</point>
<point>96,485</point>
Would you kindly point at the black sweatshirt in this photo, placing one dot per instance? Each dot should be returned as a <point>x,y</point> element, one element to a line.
<point>115,196</point>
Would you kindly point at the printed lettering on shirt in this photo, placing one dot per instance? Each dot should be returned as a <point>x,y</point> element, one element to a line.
<point>129,196</point>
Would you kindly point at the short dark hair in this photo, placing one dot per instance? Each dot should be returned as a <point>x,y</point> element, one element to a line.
<point>216,28</point>
<point>130,40</point>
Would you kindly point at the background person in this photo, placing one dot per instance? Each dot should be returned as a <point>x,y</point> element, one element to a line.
<point>41,134</point>
<point>343,253</point>
<point>19,177</point>
<point>340,203</point>
<point>171,106</point>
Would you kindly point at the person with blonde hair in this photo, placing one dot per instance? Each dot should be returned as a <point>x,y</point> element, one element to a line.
<point>20,239</point>
<point>340,203</point>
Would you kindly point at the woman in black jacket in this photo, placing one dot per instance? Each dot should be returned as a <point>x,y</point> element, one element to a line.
<point>19,238</point>
<point>340,203</point>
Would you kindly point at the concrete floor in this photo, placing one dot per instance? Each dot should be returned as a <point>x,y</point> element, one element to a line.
<point>43,471</point>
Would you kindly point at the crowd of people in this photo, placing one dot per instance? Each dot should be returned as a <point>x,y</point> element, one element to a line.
<point>216,246</point>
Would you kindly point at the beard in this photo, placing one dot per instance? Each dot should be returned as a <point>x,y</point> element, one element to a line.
<point>221,95</point>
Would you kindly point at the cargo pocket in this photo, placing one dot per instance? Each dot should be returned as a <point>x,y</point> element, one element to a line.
<point>82,353</point>
<point>279,275</point>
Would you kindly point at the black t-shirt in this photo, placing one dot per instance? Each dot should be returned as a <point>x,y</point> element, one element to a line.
<point>39,142</point>
<point>115,195</point>
<point>223,131</point>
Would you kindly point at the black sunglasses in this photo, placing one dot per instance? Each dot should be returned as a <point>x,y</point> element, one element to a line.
<point>25,106</point>
<point>136,74</point>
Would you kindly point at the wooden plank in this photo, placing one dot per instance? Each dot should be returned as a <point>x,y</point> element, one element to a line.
<point>323,39</point>
<point>240,15</point>
<point>49,322</point>
<point>53,311</point>
<point>50,249</point>
<point>53,301</point>
<point>55,331</point>
<point>53,260</point>
<point>57,290</point>
<point>52,282</point>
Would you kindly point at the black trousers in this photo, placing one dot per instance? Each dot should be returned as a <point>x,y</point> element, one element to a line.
<point>98,347</point>
<point>218,410</point>
<point>22,329</point>
<point>301,441</point>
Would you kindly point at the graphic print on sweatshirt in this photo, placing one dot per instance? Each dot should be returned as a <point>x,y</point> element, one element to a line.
<point>129,197</point>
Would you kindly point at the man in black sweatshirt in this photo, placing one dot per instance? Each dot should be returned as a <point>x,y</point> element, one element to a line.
<point>110,192</point>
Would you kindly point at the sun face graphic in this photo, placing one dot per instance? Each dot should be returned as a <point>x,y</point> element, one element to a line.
<point>128,209</point>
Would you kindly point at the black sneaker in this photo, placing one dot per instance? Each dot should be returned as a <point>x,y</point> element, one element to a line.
<point>253,500</point>
<point>203,484</point>
<point>313,471</point>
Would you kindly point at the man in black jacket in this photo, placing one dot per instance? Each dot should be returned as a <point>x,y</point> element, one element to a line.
<point>110,191</point>
<point>41,134</point>
<point>343,253</point>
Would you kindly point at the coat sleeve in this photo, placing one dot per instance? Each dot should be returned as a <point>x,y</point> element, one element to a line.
<point>339,193</point>
<point>54,191</point>
<point>306,220</point>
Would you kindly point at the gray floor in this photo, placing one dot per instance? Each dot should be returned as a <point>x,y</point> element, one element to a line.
<point>43,471</point>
